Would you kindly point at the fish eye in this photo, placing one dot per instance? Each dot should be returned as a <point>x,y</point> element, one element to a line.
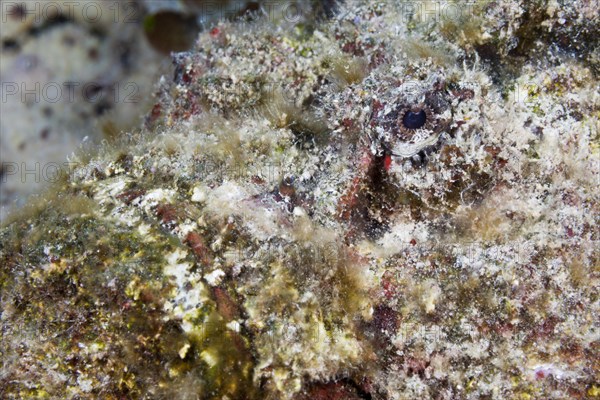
<point>414,119</point>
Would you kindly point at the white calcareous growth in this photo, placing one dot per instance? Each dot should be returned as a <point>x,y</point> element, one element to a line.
<point>360,206</point>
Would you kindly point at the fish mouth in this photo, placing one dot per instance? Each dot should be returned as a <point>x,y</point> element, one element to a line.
<point>420,140</point>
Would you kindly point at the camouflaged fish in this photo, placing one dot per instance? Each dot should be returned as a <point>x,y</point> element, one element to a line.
<point>372,206</point>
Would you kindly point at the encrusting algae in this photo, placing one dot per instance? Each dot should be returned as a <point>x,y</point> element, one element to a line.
<point>371,206</point>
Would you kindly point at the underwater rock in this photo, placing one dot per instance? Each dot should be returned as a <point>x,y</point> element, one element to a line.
<point>74,74</point>
<point>282,230</point>
<point>71,74</point>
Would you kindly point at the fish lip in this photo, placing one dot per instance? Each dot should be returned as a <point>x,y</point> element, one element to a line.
<point>409,149</point>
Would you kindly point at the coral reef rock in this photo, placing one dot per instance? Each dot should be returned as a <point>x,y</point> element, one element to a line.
<point>379,203</point>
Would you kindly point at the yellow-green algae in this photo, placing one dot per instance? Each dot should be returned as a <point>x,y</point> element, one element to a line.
<point>206,257</point>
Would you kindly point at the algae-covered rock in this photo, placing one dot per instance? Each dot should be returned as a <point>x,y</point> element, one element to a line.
<point>361,207</point>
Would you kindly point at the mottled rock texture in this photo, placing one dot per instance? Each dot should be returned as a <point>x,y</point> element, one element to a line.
<point>391,203</point>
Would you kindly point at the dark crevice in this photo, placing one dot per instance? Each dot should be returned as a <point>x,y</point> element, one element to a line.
<point>359,390</point>
<point>326,9</point>
<point>10,45</point>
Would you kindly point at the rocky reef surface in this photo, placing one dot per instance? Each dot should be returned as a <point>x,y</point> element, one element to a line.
<point>396,202</point>
<point>77,73</point>
<point>69,72</point>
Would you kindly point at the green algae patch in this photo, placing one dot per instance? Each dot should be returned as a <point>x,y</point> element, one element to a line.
<point>92,299</point>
